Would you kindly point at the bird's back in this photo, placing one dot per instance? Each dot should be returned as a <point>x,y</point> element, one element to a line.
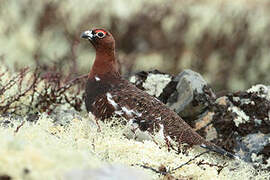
<point>121,98</point>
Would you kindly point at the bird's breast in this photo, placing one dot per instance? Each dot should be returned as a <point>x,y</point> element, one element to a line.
<point>94,90</point>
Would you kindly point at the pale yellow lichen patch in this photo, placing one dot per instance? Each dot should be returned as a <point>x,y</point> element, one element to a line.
<point>50,151</point>
<point>46,151</point>
<point>155,83</point>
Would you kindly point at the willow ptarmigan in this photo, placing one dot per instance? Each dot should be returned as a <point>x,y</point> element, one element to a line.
<point>108,94</point>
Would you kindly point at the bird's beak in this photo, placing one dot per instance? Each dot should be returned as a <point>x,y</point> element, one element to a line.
<point>88,35</point>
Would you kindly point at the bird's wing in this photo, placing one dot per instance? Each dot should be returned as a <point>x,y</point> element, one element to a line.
<point>149,113</point>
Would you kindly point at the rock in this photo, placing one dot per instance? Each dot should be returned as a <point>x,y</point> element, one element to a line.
<point>205,127</point>
<point>112,172</point>
<point>239,122</point>
<point>187,93</point>
<point>242,120</point>
<point>251,144</point>
<point>191,96</point>
<point>153,82</point>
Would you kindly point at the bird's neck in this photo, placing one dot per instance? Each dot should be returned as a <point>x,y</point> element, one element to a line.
<point>105,65</point>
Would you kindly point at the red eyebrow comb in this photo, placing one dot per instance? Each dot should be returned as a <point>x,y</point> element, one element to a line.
<point>100,30</point>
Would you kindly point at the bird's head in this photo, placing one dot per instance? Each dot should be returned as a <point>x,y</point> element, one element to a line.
<point>105,62</point>
<point>100,39</point>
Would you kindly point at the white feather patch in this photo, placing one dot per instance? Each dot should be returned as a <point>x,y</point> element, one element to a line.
<point>111,101</point>
<point>97,78</point>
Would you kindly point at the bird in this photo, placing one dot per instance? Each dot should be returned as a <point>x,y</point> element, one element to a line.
<point>108,94</point>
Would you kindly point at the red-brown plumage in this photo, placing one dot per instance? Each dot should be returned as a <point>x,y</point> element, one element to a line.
<point>108,94</point>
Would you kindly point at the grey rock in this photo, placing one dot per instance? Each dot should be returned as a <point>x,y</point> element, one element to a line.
<point>189,99</point>
<point>252,143</point>
<point>184,93</point>
<point>109,172</point>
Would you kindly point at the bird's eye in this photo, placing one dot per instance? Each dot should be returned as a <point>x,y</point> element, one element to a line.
<point>100,34</point>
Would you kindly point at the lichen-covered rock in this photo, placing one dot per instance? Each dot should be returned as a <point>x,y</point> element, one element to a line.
<point>187,93</point>
<point>238,121</point>
<point>252,145</point>
<point>242,120</point>
<point>153,82</point>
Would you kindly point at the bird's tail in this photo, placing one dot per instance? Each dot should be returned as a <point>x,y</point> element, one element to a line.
<point>219,150</point>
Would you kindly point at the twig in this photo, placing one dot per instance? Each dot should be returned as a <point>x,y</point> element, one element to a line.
<point>153,169</point>
<point>70,83</point>
<point>174,169</point>
<point>17,129</point>
<point>13,81</point>
<point>220,167</point>
<point>189,161</point>
<point>17,97</point>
